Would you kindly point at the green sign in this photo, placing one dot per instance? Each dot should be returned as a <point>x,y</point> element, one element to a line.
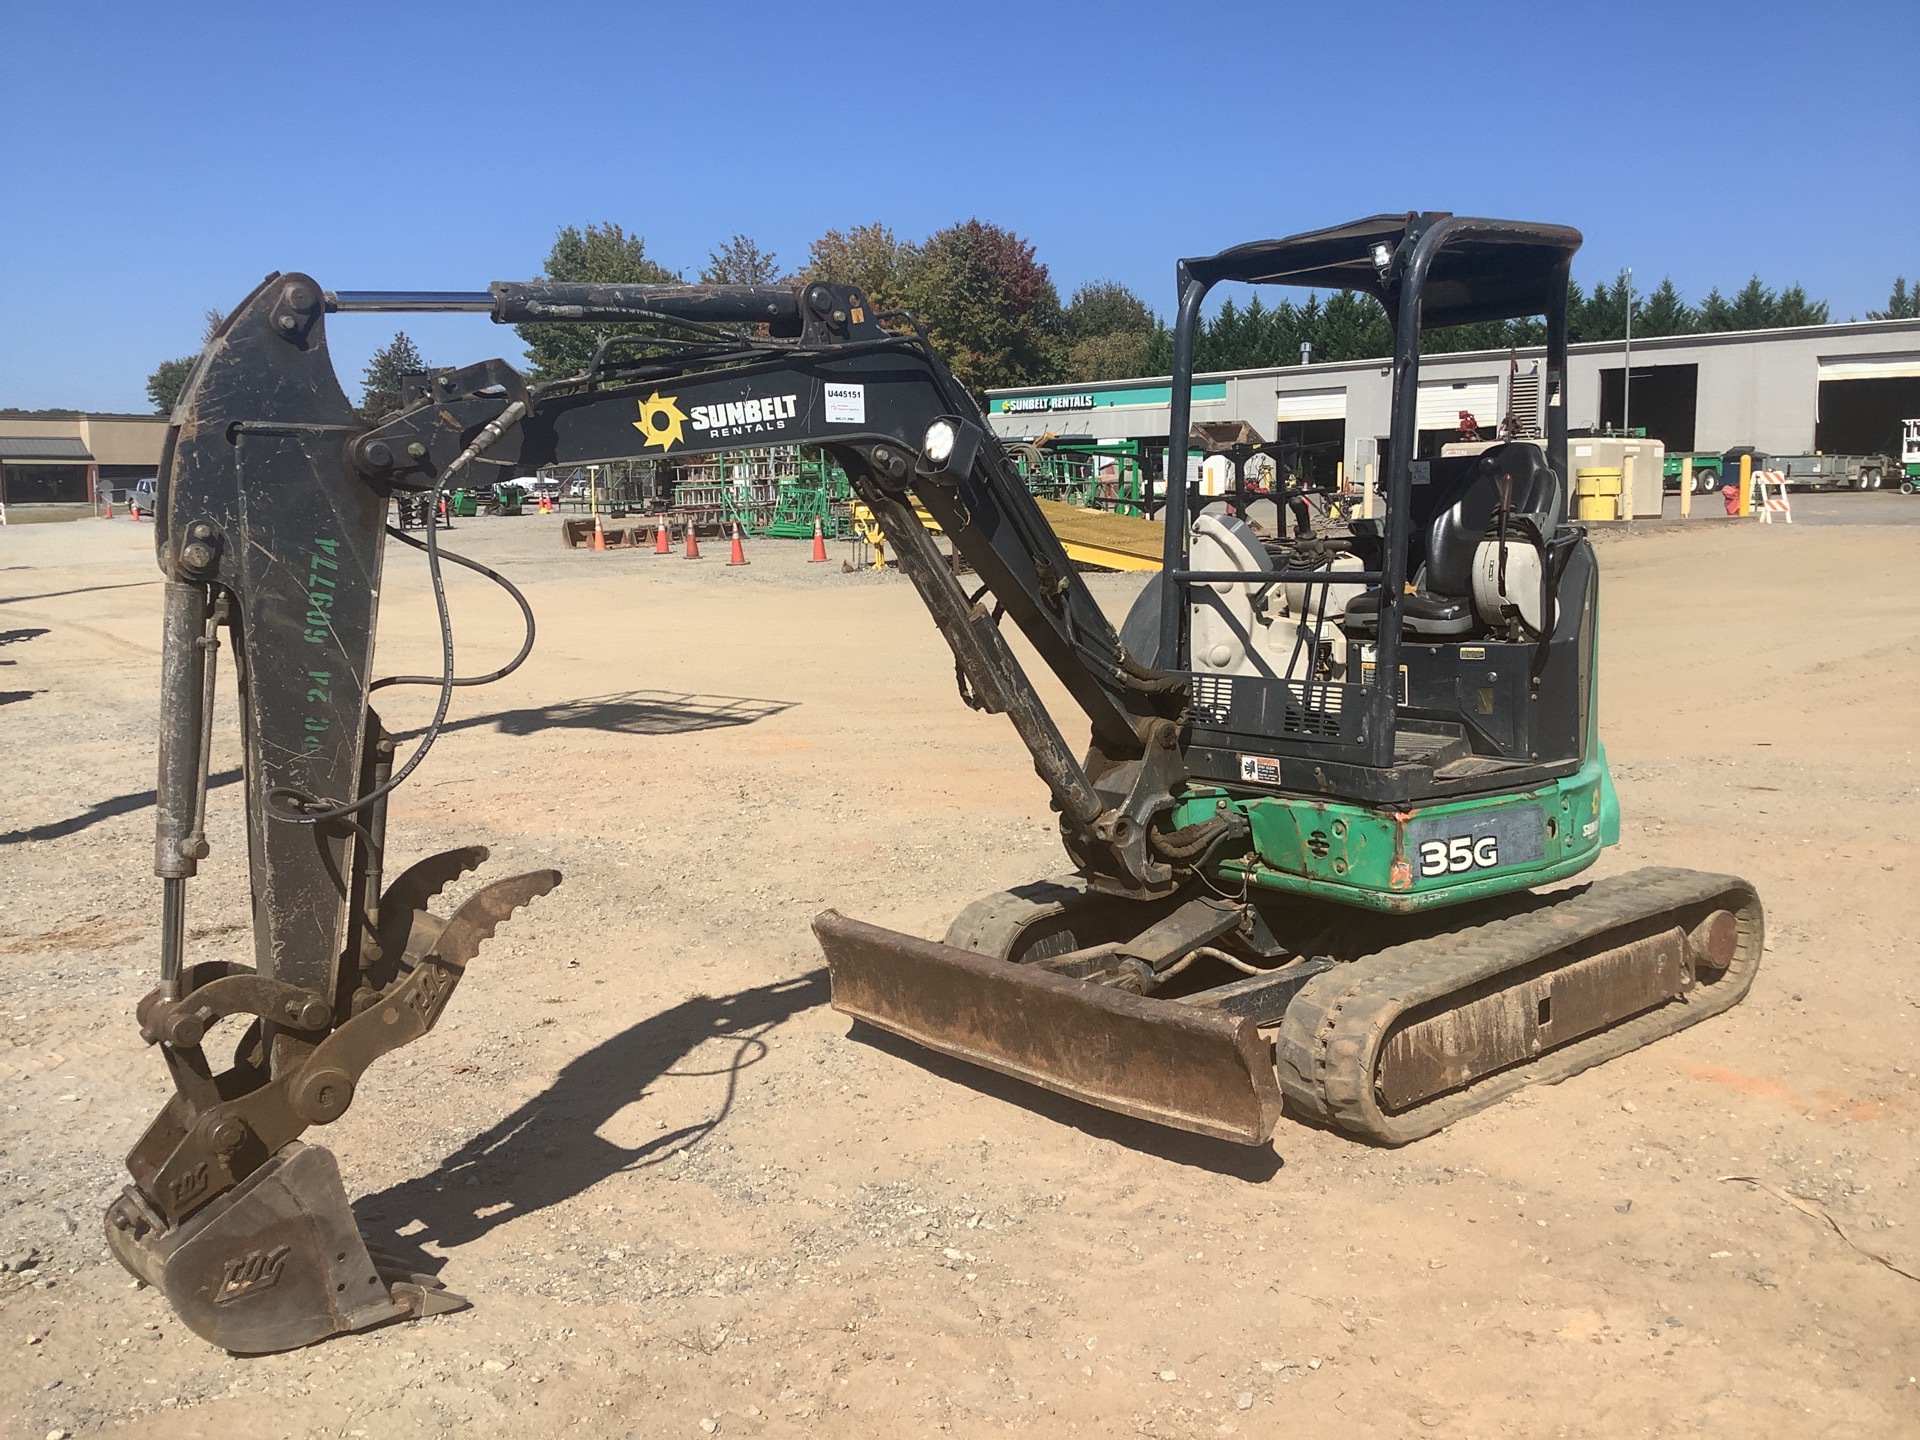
<point>1102,399</point>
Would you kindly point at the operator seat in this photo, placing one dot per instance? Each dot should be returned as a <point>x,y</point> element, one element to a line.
<point>1441,605</point>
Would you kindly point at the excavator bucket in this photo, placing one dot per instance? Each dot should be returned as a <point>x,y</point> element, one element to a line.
<point>1157,1060</point>
<point>277,1262</point>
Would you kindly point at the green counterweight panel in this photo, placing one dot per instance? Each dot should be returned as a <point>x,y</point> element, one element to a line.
<point>1426,856</point>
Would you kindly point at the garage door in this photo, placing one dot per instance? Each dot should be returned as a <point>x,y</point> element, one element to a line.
<point>1441,402</point>
<point>1877,367</point>
<point>1297,405</point>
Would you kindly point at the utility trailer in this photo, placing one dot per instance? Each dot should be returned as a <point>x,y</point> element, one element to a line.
<point>1832,472</point>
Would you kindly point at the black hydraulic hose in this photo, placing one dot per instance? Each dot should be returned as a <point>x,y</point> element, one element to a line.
<point>491,432</point>
<point>526,614</point>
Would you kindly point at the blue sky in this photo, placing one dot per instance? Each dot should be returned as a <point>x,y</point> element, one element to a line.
<point>158,159</point>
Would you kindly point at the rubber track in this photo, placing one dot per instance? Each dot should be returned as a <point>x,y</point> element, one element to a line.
<point>1332,1035</point>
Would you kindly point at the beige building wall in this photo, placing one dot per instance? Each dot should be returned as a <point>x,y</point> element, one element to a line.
<point>110,439</point>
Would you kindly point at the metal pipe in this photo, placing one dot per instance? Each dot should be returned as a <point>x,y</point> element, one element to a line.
<point>1173,597</point>
<point>1626,365</point>
<point>1381,701</point>
<point>424,302</point>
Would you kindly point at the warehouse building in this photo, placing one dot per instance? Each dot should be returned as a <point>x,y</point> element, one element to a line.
<point>76,459</point>
<point>1833,389</point>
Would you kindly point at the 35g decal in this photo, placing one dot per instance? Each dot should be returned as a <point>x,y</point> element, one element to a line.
<point>1458,854</point>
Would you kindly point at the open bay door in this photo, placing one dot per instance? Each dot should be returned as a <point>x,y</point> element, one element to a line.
<point>1311,431</point>
<point>1863,400</point>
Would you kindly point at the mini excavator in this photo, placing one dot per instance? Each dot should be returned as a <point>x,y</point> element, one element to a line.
<point>1326,779</point>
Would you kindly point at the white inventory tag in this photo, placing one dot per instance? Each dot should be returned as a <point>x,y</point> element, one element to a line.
<point>846,404</point>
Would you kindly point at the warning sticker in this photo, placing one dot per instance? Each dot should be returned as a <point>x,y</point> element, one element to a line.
<point>1260,769</point>
<point>846,404</point>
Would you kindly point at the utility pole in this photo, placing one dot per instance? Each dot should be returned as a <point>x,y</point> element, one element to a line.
<point>1626,367</point>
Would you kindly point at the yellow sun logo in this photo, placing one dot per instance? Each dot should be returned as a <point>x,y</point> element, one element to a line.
<point>660,421</point>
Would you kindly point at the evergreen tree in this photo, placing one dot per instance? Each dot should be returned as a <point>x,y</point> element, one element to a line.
<point>380,385</point>
<point>1793,308</point>
<point>741,262</point>
<point>1353,326</point>
<point>1665,313</point>
<point>600,254</point>
<point>1601,315</point>
<point>1753,308</point>
<point>1902,304</point>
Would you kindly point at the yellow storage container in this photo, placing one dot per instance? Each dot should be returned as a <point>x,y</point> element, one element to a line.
<point>1597,493</point>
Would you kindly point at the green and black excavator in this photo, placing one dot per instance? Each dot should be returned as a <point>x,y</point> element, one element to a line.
<point>1325,781</point>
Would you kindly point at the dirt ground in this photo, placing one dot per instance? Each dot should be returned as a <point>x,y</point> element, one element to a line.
<point>685,1200</point>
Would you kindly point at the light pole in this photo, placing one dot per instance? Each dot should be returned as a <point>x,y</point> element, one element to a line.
<point>1626,368</point>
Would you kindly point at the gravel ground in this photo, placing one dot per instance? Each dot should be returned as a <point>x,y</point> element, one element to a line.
<point>686,1200</point>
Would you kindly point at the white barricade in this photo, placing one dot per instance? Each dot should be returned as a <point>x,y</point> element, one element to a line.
<point>1767,506</point>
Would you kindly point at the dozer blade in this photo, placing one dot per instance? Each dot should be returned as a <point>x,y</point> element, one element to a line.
<point>276,1262</point>
<point>1157,1060</point>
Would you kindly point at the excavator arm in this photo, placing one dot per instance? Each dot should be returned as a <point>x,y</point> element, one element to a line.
<point>273,517</point>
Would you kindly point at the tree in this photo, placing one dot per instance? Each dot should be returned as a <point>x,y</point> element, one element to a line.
<point>989,305</point>
<point>601,255</point>
<point>1121,355</point>
<point>1108,331</point>
<point>1665,313</point>
<point>741,262</point>
<point>1105,307</point>
<point>380,386</point>
<point>1793,308</point>
<point>1601,315</point>
<point>165,384</point>
<point>1902,304</point>
<point>867,257</point>
<point>170,378</point>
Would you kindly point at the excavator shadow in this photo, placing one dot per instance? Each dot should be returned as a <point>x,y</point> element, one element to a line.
<point>1201,1152</point>
<point>629,712</point>
<point>549,1150</point>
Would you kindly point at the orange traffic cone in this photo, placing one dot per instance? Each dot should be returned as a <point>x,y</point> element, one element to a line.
<point>693,543</point>
<point>109,514</point>
<point>819,543</point>
<point>599,535</point>
<point>739,556</point>
<point>133,509</point>
<point>663,539</point>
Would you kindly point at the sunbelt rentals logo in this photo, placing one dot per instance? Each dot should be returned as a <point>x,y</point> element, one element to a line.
<point>665,424</point>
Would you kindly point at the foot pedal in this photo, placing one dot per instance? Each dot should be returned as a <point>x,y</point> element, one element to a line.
<point>274,1264</point>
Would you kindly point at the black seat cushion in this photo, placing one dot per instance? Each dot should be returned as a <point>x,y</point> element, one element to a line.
<point>1426,617</point>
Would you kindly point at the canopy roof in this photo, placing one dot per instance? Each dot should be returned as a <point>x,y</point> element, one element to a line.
<point>1484,269</point>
